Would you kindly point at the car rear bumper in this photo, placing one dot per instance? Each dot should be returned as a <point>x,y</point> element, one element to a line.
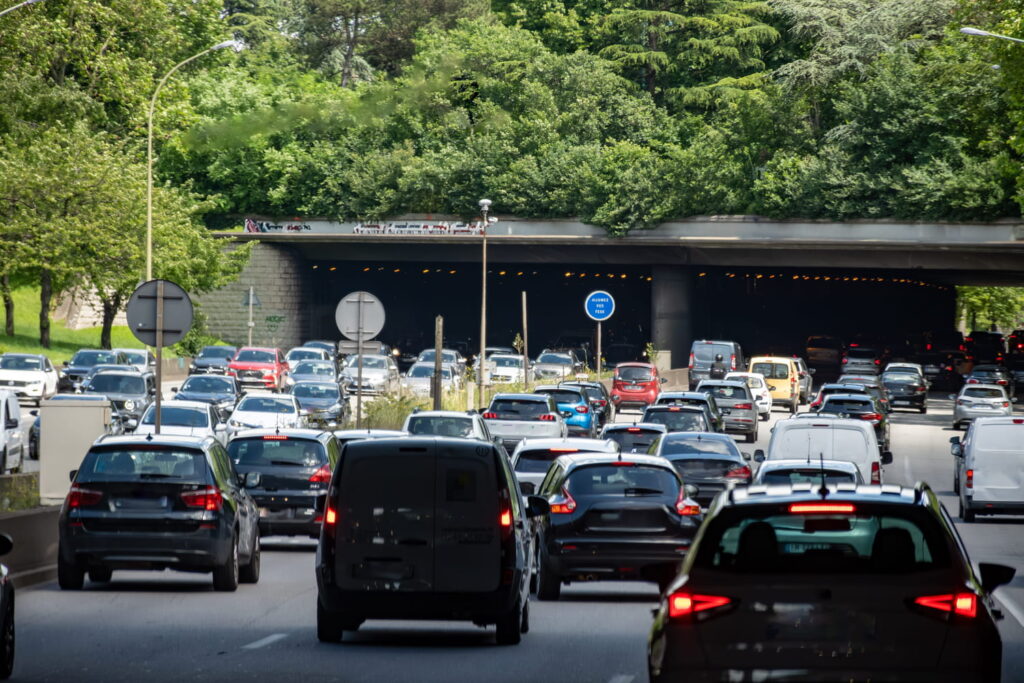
<point>477,607</point>
<point>744,424</point>
<point>612,558</point>
<point>197,550</point>
<point>966,414</point>
<point>299,519</point>
<point>994,507</point>
<point>692,674</point>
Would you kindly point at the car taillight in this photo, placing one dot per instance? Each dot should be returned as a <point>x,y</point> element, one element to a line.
<point>685,604</point>
<point>743,406</point>
<point>632,430</point>
<point>690,364</point>
<point>969,339</point>
<point>732,362</point>
<point>962,347</point>
<point>969,479</point>
<point>582,409</point>
<point>740,472</point>
<point>878,362</point>
<point>563,504</point>
<point>973,381</point>
<point>1002,381</point>
<point>927,347</point>
<point>964,604</point>
<point>876,473</point>
<point>547,417</point>
<point>490,416</point>
<point>919,389</point>
<point>873,417</point>
<point>322,475</point>
<point>600,403</point>
<point>330,520</point>
<point>683,508</point>
<point>208,498</point>
<point>821,508</point>
<point>845,360</point>
<point>1006,404</point>
<point>79,497</point>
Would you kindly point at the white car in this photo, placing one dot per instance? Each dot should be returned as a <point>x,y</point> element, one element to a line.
<point>759,388</point>
<point>28,375</point>
<point>532,457</point>
<point>788,472</point>
<point>380,374</point>
<point>301,353</point>
<point>184,418</point>
<point>830,439</point>
<point>417,380</point>
<point>259,410</point>
<point>448,423</point>
<point>506,369</point>
<point>141,359</point>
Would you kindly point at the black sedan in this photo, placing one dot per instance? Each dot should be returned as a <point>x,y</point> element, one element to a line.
<point>712,462</point>
<point>220,391</point>
<point>860,407</point>
<point>613,517</point>
<point>906,390</point>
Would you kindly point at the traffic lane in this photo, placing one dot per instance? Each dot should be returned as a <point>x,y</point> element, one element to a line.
<point>173,626</point>
<point>920,445</point>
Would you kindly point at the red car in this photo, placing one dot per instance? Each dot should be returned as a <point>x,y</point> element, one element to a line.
<point>636,384</point>
<point>259,366</point>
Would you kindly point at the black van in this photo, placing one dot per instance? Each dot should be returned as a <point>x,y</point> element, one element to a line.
<point>425,528</point>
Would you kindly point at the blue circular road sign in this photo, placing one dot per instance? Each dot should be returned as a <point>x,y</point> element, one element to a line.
<point>599,305</point>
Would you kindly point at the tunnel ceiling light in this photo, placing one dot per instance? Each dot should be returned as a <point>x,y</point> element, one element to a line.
<point>649,278</point>
<point>366,269</point>
<point>519,273</point>
<point>622,277</point>
<point>315,266</point>
<point>701,274</point>
<point>398,270</point>
<point>501,272</point>
<point>425,271</point>
<point>333,268</point>
<point>451,272</point>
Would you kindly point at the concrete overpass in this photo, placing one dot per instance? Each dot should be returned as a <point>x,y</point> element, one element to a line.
<point>683,279</point>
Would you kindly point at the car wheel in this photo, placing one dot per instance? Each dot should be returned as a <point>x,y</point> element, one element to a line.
<point>328,625</point>
<point>250,573</point>
<point>100,574</point>
<point>510,626</point>
<point>956,426</point>
<point>923,409</point>
<point>956,485</point>
<point>525,626</point>
<point>7,634</point>
<point>751,437</point>
<point>766,416</point>
<point>966,514</point>
<point>225,577</point>
<point>549,585</point>
<point>70,576</point>
<point>793,407</point>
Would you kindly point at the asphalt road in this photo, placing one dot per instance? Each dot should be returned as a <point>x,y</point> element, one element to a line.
<point>169,626</point>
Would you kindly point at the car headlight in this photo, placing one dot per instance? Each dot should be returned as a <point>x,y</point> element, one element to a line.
<point>129,405</point>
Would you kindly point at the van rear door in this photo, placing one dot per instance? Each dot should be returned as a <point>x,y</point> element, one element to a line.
<point>826,439</point>
<point>998,461</point>
<point>467,550</point>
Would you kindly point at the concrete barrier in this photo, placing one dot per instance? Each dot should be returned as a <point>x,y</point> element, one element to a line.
<point>175,368</point>
<point>34,532</point>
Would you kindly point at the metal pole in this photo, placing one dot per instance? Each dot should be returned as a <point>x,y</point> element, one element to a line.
<point>20,4</point>
<point>598,351</point>
<point>251,323</point>
<point>159,353</point>
<point>435,381</point>
<point>483,313</point>
<point>359,361</point>
<point>526,348</point>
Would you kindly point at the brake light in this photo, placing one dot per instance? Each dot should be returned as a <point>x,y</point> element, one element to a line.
<point>582,410</point>
<point>564,506</point>
<point>685,604</point>
<point>743,406</point>
<point>973,381</point>
<point>969,339</point>
<point>874,417</point>
<point>732,361</point>
<point>632,430</point>
<point>331,516</point>
<point>1006,404</point>
<point>601,403</point>
<point>547,417</point>
<point>927,347</point>
<point>876,473</point>
<point>969,479</point>
<point>821,508</point>
<point>490,416</point>
<point>845,360</point>
<point>275,437</point>
<point>854,345</point>
<point>208,498</point>
<point>964,604</point>
<point>919,389</point>
<point>80,498</point>
<point>690,364</point>
<point>622,463</point>
<point>741,472</point>
<point>322,475</point>
<point>505,520</point>
<point>1002,381</point>
<point>1018,421</point>
<point>674,409</point>
<point>683,508</point>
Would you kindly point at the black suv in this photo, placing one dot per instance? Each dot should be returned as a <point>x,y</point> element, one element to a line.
<point>222,392</point>
<point>613,517</point>
<point>850,583</point>
<point>212,360</point>
<point>130,391</point>
<point>82,362</point>
<point>295,467</point>
<point>158,502</point>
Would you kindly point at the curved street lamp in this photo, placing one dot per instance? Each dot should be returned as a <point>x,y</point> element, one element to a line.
<point>20,4</point>
<point>971,31</point>
<point>485,207</point>
<point>236,45</point>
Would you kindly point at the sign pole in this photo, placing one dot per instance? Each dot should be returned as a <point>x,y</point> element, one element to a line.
<point>599,351</point>
<point>526,348</point>
<point>359,361</point>
<point>159,353</point>
<point>251,323</point>
<point>435,381</point>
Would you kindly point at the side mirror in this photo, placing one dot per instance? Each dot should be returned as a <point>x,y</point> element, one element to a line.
<point>759,455</point>
<point>957,450</point>
<point>664,380</point>
<point>746,456</point>
<point>954,439</point>
<point>174,390</point>
<point>33,413</point>
<point>220,427</point>
<point>527,487</point>
<point>952,397</point>
<point>691,490</point>
<point>252,480</point>
<point>886,457</point>
<point>71,476</point>
<point>995,575</point>
<point>6,544</point>
<point>537,506</point>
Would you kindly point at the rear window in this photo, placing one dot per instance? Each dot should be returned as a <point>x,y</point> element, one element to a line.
<point>707,352</point>
<point>622,480</point>
<point>322,391</point>
<point>634,374</point>
<point>677,421</point>
<point>814,440</point>
<point>266,404</point>
<point>771,370</point>
<point>143,464</point>
<point>701,468</point>
<point>539,459</point>
<point>861,354</point>
<point>870,540</point>
<point>304,354</point>
<point>675,445</point>
<point>308,368</point>
<point>441,426</point>
<point>981,392</point>
<point>209,385</point>
<point>288,452</point>
<point>1005,437</point>
<point>846,405</point>
<point>171,416</point>
<point>554,359</point>
<point>562,396</point>
<point>824,343</point>
<point>638,441</point>
<point>901,378</point>
<point>518,409</point>
<point>801,475</point>
<point>117,384</point>
<point>726,392</point>
<point>224,352</point>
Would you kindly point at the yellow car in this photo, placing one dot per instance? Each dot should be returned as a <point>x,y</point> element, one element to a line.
<point>783,378</point>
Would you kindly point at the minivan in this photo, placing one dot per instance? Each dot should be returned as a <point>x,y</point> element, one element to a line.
<point>990,472</point>
<point>783,378</point>
<point>425,528</point>
<point>832,438</point>
<point>702,357</point>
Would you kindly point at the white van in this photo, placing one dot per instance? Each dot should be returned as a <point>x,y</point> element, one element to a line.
<point>12,438</point>
<point>831,439</point>
<point>991,472</point>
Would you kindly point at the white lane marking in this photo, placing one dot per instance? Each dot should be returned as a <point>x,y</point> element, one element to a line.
<point>263,642</point>
<point>1012,608</point>
<point>909,481</point>
<point>621,678</point>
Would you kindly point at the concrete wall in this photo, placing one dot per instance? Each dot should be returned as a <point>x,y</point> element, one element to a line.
<point>278,275</point>
<point>672,312</point>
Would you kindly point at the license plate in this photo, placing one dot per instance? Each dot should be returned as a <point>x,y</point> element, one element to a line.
<point>901,403</point>
<point>610,516</point>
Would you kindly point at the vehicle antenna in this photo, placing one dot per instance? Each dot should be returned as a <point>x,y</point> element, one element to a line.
<point>823,491</point>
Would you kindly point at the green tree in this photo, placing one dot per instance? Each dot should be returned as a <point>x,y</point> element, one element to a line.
<point>995,307</point>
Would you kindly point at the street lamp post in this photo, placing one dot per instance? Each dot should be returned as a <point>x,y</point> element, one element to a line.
<point>485,206</point>
<point>20,4</point>
<point>149,147</point>
<point>971,31</point>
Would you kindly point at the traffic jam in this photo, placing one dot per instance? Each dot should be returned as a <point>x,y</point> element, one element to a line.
<point>756,495</point>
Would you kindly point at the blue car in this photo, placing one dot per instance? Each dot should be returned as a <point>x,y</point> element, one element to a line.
<point>572,402</point>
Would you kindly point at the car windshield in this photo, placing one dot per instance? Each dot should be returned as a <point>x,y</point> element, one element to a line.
<point>563,396</point>
<point>254,356</point>
<point>983,392</point>
<point>372,362</point>
<point>633,439</point>
<point>446,356</point>
<point>726,392</point>
<point>266,404</point>
<point>135,357</point>
<point>90,358</point>
<point>173,416</point>
<point>633,373</point>
<point>771,370</point>
<point>901,378</point>
<point>507,362</point>
<point>688,444</point>
<point>143,463</point>
<point>209,385</point>
<point>20,363</point>
<point>677,421</point>
<point>323,391</point>
<point>217,353</point>
<point>622,480</point>
<point>308,368</point>
<point>868,540</point>
<point>261,452</point>
<point>749,380</point>
<point>419,371</point>
<point>707,352</point>
<point>117,384</point>
<point>518,409</point>
<point>304,354</point>
<point>802,475</point>
<point>838,406</point>
<point>440,426</point>
<point>554,359</point>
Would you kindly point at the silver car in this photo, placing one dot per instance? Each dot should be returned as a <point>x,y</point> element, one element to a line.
<point>417,380</point>
<point>380,374</point>
<point>734,399</point>
<point>980,400</point>
<point>862,360</point>
<point>555,366</point>
<point>313,371</point>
